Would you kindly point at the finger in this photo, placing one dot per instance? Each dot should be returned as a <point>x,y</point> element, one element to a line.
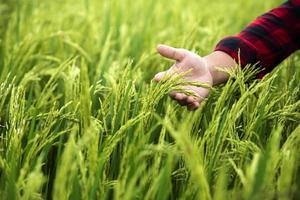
<point>190,99</point>
<point>159,76</point>
<point>173,94</point>
<point>182,102</point>
<point>170,52</point>
<point>180,97</point>
<point>193,106</point>
<point>176,96</point>
<point>197,92</point>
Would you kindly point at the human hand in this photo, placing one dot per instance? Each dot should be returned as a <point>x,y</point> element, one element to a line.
<point>199,72</point>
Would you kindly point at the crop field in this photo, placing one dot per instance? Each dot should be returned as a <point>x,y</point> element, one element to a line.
<point>81,118</point>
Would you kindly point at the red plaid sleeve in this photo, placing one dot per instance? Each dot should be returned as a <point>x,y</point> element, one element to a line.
<point>268,40</point>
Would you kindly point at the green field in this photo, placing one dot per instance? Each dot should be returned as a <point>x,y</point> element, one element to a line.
<point>80,117</point>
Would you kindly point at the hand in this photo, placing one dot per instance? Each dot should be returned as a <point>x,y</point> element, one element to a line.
<point>185,61</point>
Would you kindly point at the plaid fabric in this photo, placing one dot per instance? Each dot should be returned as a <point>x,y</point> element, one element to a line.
<point>268,40</point>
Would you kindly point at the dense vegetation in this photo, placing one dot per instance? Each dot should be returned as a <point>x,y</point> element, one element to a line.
<point>81,119</point>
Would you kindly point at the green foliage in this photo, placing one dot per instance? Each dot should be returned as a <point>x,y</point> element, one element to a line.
<point>80,117</point>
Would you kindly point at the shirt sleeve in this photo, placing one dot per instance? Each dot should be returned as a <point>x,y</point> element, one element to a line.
<point>268,40</point>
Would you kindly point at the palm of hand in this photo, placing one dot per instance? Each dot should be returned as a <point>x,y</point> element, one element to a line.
<point>199,72</point>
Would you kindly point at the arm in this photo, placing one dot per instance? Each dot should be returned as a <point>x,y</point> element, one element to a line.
<point>268,40</point>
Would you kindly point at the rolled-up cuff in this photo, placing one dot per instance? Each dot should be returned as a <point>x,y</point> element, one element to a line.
<point>239,49</point>
<point>242,51</point>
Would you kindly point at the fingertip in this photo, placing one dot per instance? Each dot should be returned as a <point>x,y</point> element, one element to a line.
<point>159,47</point>
<point>158,76</point>
<point>180,96</point>
<point>196,104</point>
<point>173,94</point>
<point>190,99</point>
<point>193,106</point>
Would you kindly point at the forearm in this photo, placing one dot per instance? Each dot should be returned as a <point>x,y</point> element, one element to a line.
<point>219,60</point>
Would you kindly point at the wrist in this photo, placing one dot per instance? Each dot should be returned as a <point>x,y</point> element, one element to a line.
<point>216,61</point>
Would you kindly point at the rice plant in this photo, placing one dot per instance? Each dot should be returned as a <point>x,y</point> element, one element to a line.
<point>80,117</point>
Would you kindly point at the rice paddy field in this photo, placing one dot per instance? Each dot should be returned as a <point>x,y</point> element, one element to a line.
<point>81,118</point>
